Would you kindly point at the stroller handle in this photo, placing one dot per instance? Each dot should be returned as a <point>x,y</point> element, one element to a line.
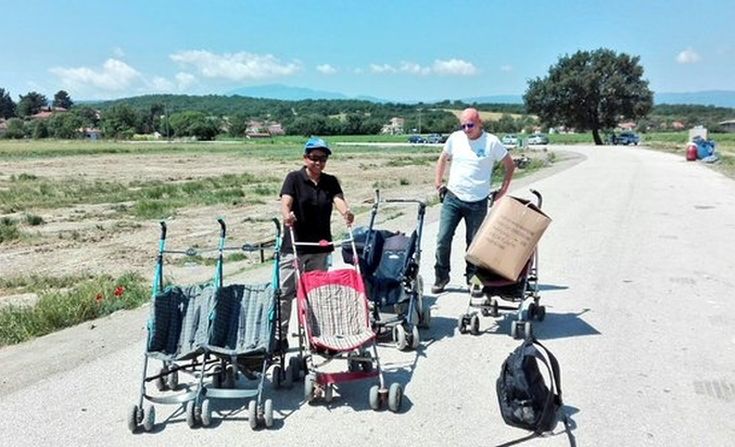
<point>222,226</point>
<point>163,230</point>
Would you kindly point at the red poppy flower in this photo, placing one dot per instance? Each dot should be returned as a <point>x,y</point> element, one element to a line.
<point>119,290</point>
<point>99,297</point>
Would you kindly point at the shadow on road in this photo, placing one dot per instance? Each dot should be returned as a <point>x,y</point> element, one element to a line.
<point>561,325</point>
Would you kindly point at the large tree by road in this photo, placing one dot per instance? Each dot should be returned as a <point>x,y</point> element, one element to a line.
<point>590,90</point>
<point>31,104</point>
<point>7,106</point>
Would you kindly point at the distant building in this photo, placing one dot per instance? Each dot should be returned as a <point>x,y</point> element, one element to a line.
<point>630,125</point>
<point>394,126</point>
<point>91,133</point>
<point>47,112</point>
<point>727,126</point>
<point>263,129</point>
<point>678,125</point>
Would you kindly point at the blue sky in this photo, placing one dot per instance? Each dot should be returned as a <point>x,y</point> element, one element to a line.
<point>398,50</point>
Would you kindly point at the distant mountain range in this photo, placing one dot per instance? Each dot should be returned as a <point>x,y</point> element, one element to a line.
<point>720,98</point>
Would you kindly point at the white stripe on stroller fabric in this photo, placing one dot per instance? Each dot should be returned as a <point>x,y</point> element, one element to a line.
<point>337,317</point>
<point>176,329</point>
<point>242,319</point>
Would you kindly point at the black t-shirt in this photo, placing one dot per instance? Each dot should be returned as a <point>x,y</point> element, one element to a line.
<point>312,205</point>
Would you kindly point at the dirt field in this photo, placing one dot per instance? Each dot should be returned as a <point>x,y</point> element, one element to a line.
<point>95,237</point>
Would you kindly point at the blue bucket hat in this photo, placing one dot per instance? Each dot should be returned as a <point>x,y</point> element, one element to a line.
<point>316,143</point>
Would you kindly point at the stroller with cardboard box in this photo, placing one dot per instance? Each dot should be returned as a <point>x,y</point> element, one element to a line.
<point>334,325</point>
<point>389,262</point>
<point>177,329</point>
<point>493,293</point>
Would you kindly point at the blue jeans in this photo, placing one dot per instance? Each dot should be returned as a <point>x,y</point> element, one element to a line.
<point>454,210</point>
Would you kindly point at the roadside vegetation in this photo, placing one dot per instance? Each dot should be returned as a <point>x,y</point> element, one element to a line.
<point>67,301</point>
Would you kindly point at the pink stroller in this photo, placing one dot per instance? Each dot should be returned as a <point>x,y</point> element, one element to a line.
<point>334,324</point>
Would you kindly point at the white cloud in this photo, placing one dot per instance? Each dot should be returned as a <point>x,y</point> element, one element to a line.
<point>237,67</point>
<point>118,52</point>
<point>506,68</point>
<point>451,67</point>
<point>115,75</point>
<point>185,80</point>
<point>384,68</point>
<point>326,69</point>
<point>456,67</point>
<point>688,56</point>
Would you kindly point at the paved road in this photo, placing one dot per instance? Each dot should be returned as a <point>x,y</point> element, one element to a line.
<point>636,271</point>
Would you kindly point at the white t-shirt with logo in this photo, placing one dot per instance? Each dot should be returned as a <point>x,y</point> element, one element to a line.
<point>472,164</point>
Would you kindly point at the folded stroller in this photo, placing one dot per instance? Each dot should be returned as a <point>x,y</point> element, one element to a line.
<point>177,329</point>
<point>334,325</point>
<point>389,262</point>
<point>521,296</point>
<point>241,342</point>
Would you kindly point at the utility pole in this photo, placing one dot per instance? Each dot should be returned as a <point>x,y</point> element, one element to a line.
<point>419,121</point>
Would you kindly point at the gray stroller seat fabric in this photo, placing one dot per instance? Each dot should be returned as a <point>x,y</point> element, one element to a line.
<point>177,328</point>
<point>242,319</point>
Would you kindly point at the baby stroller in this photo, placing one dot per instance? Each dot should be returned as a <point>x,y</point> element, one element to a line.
<point>389,262</point>
<point>520,296</point>
<point>334,324</point>
<point>241,342</point>
<point>177,329</point>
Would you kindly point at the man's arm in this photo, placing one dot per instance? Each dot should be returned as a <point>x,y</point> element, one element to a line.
<point>509,168</point>
<point>341,204</point>
<point>441,166</point>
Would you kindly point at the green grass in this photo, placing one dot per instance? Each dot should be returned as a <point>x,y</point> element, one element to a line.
<point>57,309</point>
<point>8,230</point>
<point>152,199</point>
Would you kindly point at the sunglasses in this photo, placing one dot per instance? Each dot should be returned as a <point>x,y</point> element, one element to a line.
<point>319,158</point>
<point>467,125</point>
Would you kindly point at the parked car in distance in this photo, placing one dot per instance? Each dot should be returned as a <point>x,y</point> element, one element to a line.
<point>436,138</point>
<point>538,138</point>
<point>416,139</point>
<point>625,138</point>
<point>509,140</point>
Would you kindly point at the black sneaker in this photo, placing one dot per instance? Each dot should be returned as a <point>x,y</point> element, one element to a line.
<point>439,285</point>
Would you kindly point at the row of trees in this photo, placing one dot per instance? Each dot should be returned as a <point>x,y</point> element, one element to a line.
<point>31,103</point>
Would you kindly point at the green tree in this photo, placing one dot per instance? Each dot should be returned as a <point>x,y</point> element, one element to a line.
<point>65,125</point>
<point>31,104</point>
<point>7,106</point>
<point>590,90</point>
<point>16,129</point>
<point>194,124</point>
<point>62,99</point>
<point>39,129</point>
<point>121,121</point>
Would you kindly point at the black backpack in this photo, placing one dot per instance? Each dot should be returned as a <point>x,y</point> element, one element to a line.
<point>525,399</point>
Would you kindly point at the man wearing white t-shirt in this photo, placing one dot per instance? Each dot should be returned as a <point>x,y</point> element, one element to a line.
<point>472,153</point>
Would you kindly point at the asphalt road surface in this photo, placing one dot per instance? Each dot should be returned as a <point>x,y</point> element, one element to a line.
<point>636,271</point>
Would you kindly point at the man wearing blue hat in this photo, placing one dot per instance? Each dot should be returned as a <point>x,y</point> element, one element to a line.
<point>307,198</point>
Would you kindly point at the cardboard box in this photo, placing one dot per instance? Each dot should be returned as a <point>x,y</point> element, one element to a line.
<point>507,237</point>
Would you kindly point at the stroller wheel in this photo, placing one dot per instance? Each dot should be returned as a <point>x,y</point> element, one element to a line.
<point>374,397</point>
<point>268,413</point>
<point>191,419</point>
<point>399,337</point>
<point>527,330</point>
<point>395,397</point>
<point>288,377</point>
<point>296,365</point>
<point>425,320</point>
<point>161,380</point>
<point>415,337</point>
<point>541,313</point>
<point>230,373</point>
<point>206,413</point>
<point>328,393</point>
<point>173,380</point>
<point>253,414</point>
<point>514,329</point>
<point>475,324</point>
<point>309,386</point>
<point>217,377</point>
<point>496,310</point>
<point>462,324</point>
<point>149,418</point>
<point>133,418</point>
<point>276,377</point>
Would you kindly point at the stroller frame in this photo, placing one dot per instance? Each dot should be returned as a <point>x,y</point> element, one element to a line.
<point>524,293</point>
<point>225,369</point>
<point>361,363</point>
<point>405,324</point>
<point>167,378</point>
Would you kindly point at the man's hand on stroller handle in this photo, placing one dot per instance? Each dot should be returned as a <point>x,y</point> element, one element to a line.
<point>289,219</point>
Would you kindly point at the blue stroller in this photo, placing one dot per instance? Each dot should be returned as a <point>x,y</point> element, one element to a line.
<point>520,296</point>
<point>241,342</point>
<point>389,262</point>
<point>177,329</point>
